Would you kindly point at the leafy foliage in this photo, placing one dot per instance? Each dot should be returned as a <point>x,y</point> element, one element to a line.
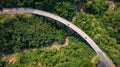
<point>62,8</point>
<point>28,33</point>
<point>101,24</point>
<point>100,30</point>
<point>76,54</point>
<point>96,6</point>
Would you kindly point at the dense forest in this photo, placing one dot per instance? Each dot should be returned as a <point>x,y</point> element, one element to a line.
<point>27,40</point>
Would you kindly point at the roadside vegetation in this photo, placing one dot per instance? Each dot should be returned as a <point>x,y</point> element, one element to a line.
<point>76,54</point>
<point>29,35</point>
<point>29,32</point>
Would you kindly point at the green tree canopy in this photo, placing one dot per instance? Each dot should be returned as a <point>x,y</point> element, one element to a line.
<point>96,6</point>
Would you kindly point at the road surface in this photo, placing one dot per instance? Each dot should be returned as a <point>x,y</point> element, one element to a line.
<point>65,22</point>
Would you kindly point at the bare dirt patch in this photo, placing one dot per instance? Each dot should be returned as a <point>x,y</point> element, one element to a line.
<point>57,47</point>
<point>11,59</point>
<point>95,59</point>
<point>112,5</point>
